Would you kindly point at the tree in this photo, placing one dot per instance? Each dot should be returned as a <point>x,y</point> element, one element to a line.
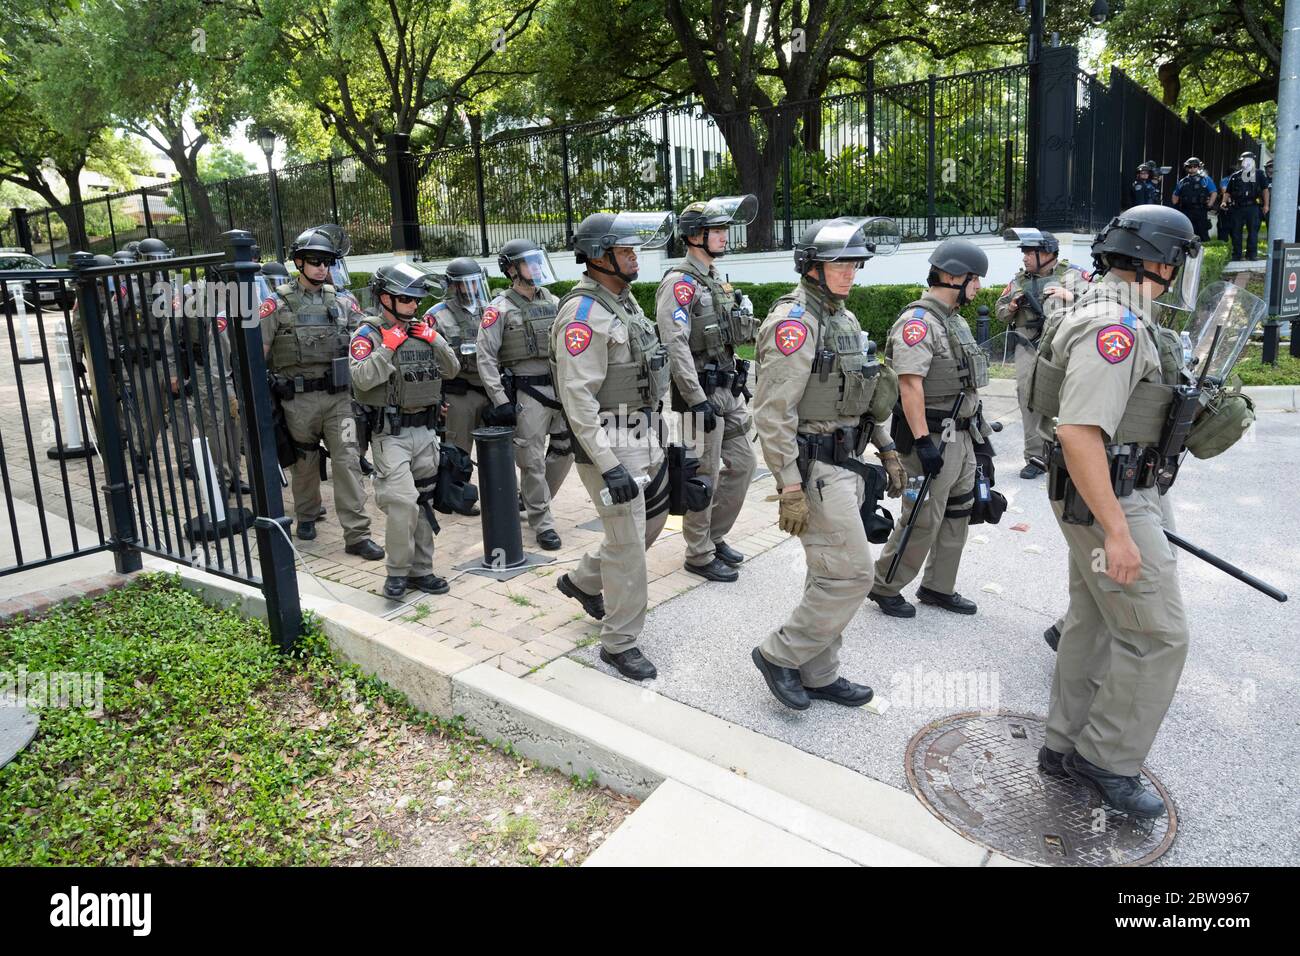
<point>222,162</point>
<point>167,68</point>
<point>54,117</point>
<point>370,67</point>
<point>1216,57</point>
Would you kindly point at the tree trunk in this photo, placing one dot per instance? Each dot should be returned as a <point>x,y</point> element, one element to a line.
<point>72,214</point>
<point>204,230</point>
<point>758,169</point>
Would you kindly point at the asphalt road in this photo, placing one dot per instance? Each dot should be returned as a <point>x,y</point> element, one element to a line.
<point>1228,749</point>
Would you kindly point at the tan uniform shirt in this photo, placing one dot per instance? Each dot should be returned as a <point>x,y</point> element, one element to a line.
<point>1021,319</point>
<point>786,347</point>
<point>454,322</point>
<point>681,297</point>
<point>275,310</point>
<point>1106,348</point>
<point>916,339</point>
<point>503,312</point>
<point>585,339</point>
<point>374,366</point>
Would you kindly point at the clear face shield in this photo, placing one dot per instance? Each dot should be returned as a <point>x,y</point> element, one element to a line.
<point>1001,352</point>
<point>737,210</point>
<point>340,278</point>
<point>1232,311</point>
<point>857,238</point>
<point>644,230</point>
<point>1180,294</point>
<point>469,292</point>
<point>533,267</point>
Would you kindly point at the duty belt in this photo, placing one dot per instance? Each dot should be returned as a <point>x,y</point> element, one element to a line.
<point>833,447</point>
<point>139,354</point>
<point>301,384</point>
<point>529,384</point>
<point>428,418</point>
<point>461,386</point>
<point>713,380</point>
<point>935,417</point>
<point>533,379</point>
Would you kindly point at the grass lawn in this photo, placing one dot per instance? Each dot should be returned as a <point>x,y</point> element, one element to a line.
<point>212,748</point>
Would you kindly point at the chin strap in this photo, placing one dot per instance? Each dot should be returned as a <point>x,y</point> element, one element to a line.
<point>962,297</point>
<point>1038,261</point>
<point>616,271</point>
<point>818,276</point>
<point>702,246</point>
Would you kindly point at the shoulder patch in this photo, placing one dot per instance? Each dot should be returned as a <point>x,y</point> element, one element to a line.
<point>1010,287</point>
<point>796,310</point>
<point>268,306</point>
<point>1114,343</point>
<point>683,291</point>
<point>914,330</point>
<point>680,316</point>
<point>577,336</point>
<point>584,308</point>
<point>918,313</point>
<point>361,345</point>
<point>490,316</point>
<point>791,334</point>
<point>221,324</point>
<point>1129,319</point>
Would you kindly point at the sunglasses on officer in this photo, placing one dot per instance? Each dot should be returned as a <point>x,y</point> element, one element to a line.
<point>405,299</point>
<point>318,260</point>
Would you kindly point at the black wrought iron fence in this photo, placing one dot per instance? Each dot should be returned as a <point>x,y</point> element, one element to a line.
<point>154,370</point>
<point>947,155</point>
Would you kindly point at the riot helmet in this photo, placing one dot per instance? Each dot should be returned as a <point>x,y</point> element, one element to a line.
<point>1151,233</point>
<point>602,232</point>
<point>959,258</point>
<point>720,212</point>
<point>465,284</point>
<point>525,261</point>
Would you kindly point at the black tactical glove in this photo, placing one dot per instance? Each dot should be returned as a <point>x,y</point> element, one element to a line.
<point>706,409</point>
<point>620,484</point>
<point>501,415</point>
<point>931,457</point>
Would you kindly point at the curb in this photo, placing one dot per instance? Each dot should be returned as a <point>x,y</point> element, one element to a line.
<point>35,603</point>
<point>560,733</point>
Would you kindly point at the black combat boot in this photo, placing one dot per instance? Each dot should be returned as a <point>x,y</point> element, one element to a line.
<point>1125,794</point>
<point>783,682</point>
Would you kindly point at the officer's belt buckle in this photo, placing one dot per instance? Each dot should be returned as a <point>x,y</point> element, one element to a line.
<point>299,384</point>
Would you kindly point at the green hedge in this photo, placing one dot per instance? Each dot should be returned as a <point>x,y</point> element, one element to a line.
<point>876,306</point>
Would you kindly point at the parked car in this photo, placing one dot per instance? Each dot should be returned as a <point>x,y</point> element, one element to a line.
<point>53,293</point>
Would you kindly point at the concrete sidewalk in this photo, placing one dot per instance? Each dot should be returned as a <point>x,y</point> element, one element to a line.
<point>1228,750</point>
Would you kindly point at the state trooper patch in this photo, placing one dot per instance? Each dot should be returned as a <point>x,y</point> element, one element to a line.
<point>361,347</point>
<point>268,306</point>
<point>1114,342</point>
<point>490,315</point>
<point>790,336</point>
<point>221,324</point>
<point>679,316</point>
<point>914,331</point>
<point>683,291</point>
<point>577,337</point>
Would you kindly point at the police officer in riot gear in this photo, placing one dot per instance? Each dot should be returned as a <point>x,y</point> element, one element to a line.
<point>399,364</point>
<point>1111,376</point>
<point>821,396</point>
<point>1248,196</point>
<point>141,348</point>
<point>701,320</point>
<point>1194,195</point>
<point>611,374</point>
<point>305,331</point>
<point>1037,291</point>
<point>514,342</point>
<point>1144,188</point>
<point>457,318</point>
<point>934,353</point>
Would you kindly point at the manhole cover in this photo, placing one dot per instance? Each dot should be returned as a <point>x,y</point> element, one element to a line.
<point>17,728</point>
<point>978,773</point>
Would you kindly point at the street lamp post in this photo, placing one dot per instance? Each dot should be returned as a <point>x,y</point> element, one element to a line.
<point>266,139</point>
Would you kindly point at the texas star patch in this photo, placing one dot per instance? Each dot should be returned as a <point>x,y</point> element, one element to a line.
<point>361,347</point>
<point>577,337</point>
<point>490,315</point>
<point>683,291</point>
<point>790,336</point>
<point>221,324</point>
<point>914,330</point>
<point>268,306</point>
<point>1114,342</point>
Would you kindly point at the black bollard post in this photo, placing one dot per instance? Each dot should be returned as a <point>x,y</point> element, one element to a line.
<point>1271,334</point>
<point>503,541</point>
<point>982,324</point>
<point>1295,338</point>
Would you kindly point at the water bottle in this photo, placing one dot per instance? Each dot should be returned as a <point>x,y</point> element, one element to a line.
<point>1187,349</point>
<point>641,482</point>
<point>913,488</point>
